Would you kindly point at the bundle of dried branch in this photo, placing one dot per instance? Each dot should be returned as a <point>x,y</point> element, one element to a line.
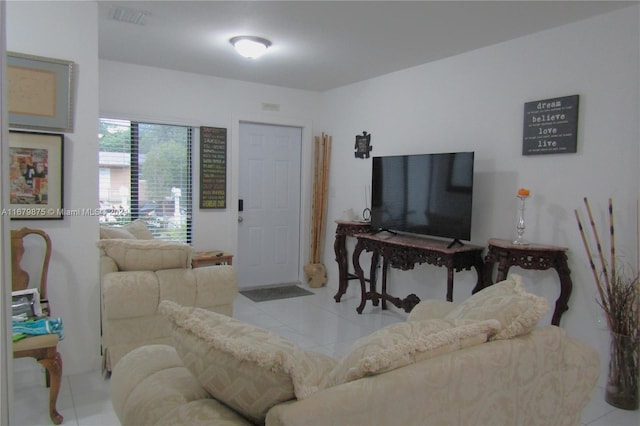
<point>315,270</point>
<point>619,297</point>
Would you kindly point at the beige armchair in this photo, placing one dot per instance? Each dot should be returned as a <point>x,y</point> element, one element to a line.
<point>136,275</point>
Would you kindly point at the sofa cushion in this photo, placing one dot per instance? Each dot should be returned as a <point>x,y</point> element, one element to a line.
<point>147,255</point>
<point>245,367</point>
<point>405,343</point>
<point>508,302</point>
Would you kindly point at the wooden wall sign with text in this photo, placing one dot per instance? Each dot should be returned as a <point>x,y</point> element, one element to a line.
<point>551,126</point>
<point>213,168</point>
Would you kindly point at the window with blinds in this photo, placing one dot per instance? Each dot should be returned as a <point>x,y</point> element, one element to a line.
<point>145,173</point>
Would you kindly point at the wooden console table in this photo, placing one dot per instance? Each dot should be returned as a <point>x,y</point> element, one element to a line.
<point>531,256</point>
<point>404,252</point>
<point>346,229</point>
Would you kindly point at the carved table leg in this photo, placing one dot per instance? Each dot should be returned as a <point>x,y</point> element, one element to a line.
<point>566,286</point>
<point>480,266</point>
<point>385,267</point>
<point>373,294</point>
<point>449,283</point>
<point>340,250</point>
<point>360,273</point>
<point>53,365</point>
<point>489,262</point>
<point>503,267</point>
<point>375,258</point>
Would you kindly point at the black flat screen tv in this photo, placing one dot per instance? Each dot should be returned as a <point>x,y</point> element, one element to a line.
<point>428,194</point>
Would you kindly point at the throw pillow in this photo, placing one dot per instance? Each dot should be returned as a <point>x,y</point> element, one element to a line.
<point>139,229</point>
<point>508,302</point>
<point>405,343</point>
<point>430,309</point>
<point>245,367</point>
<point>109,232</point>
<point>136,230</point>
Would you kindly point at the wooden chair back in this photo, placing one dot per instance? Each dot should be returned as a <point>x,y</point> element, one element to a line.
<point>20,277</point>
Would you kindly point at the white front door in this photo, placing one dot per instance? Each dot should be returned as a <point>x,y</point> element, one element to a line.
<point>269,187</point>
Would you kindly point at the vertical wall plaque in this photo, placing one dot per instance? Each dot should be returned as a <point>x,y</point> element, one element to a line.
<point>551,126</point>
<point>213,168</point>
<point>363,145</point>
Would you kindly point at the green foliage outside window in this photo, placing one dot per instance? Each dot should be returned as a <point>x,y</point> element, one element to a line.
<point>162,178</point>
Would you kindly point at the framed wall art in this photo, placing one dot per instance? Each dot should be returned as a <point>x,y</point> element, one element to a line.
<point>551,126</point>
<point>39,92</point>
<point>35,176</point>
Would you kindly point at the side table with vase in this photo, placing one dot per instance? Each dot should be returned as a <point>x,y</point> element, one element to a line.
<point>537,257</point>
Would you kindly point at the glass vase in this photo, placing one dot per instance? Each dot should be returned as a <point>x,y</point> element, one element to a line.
<point>623,375</point>
<point>520,226</point>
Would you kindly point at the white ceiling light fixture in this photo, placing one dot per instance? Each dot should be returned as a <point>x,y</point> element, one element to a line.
<point>250,46</point>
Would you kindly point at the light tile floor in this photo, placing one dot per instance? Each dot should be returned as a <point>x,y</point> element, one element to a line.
<point>315,322</point>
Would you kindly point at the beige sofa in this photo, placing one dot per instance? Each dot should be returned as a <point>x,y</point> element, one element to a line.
<point>136,274</point>
<point>482,362</point>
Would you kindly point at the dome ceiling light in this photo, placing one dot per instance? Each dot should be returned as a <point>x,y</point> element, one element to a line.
<point>250,46</point>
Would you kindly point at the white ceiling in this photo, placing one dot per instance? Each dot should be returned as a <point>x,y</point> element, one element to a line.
<point>320,45</point>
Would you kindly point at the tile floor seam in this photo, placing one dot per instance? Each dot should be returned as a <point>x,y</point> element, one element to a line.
<point>73,401</point>
<point>600,417</point>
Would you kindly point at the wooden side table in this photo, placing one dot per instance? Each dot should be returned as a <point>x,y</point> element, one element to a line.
<point>531,256</point>
<point>346,229</point>
<point>208,258</point>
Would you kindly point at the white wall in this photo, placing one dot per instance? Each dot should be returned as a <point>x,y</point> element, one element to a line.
<point>475,102</point>
<point>143,93</point>
<point>67,30</point>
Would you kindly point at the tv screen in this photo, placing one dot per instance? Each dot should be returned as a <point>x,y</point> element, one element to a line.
<point>429,194</point>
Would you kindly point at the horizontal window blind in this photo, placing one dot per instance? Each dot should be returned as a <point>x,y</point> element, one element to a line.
<point>145,173</point>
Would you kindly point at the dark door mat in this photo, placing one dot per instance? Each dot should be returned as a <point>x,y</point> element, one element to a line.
<point>275,293</point>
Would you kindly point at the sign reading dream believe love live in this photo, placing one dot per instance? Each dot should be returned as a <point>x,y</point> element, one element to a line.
<point>551,126</point>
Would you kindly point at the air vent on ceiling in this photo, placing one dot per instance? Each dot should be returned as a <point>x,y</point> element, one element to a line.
<point>130,16</point>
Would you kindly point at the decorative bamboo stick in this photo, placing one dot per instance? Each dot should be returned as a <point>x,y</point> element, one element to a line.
<point>598,245</point>
<point>319,199</point>
<point>314,200</point>
<point>326,153</point>
<point>326,183</point>
<point>320,207</point>
<point>593,266</point>
<point>613,242</point>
